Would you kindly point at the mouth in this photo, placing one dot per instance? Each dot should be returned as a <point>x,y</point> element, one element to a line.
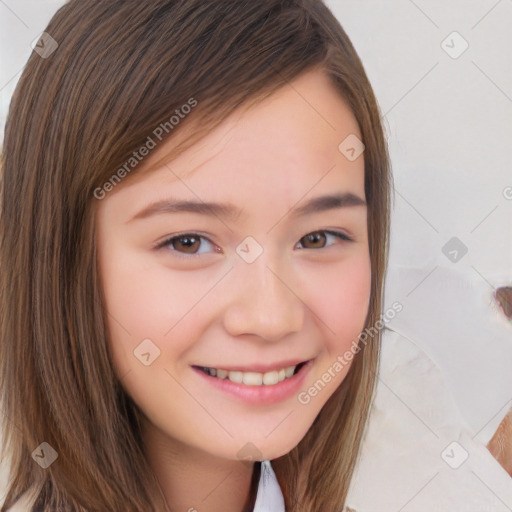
<point>253,378</point>
<point>271,385</point>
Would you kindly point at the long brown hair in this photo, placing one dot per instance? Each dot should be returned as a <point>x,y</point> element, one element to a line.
<point>121,68</point>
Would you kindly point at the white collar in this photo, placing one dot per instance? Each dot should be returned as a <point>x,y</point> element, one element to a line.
<point>269,497</point>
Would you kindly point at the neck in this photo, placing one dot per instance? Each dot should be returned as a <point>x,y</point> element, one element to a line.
<point>191,479</point>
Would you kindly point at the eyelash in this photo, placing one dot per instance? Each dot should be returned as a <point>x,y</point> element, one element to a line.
<point>167,242</point>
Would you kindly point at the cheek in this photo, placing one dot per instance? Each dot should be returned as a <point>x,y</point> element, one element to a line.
<point>149,301</point>
<point>341,304</point>
<point>146,301</point>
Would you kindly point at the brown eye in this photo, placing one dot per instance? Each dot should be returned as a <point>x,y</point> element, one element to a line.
<point>191,244</point>
<point>317,239</point>
<point>314,240</point>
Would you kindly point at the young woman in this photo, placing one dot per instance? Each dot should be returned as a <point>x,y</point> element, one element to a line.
<point>194,226</point>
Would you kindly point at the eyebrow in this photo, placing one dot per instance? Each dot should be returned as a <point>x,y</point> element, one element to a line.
<point>230,211</point>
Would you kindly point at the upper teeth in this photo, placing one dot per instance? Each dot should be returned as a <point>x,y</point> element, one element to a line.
<point>252,378</point>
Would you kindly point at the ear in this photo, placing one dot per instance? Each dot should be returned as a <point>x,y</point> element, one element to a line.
<point>503,297</point>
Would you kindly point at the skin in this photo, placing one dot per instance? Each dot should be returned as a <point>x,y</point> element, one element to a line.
<point>300,298</point>
<point>501,443</point>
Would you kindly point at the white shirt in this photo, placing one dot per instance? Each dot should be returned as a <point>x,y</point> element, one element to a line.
<point>269,497</point>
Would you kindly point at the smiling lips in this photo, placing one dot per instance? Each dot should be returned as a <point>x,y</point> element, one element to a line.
<point>252,378</point>
<point>258,388</point>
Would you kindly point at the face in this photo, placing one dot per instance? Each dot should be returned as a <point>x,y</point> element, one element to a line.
<point>274,278</point>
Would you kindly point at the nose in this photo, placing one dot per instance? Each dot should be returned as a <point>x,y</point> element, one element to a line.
<point>263,302</point>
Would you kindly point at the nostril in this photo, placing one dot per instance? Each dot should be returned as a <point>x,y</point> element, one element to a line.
<point>503,297</point>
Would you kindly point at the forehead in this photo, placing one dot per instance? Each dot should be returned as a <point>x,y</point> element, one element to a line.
<point>277,151</point>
